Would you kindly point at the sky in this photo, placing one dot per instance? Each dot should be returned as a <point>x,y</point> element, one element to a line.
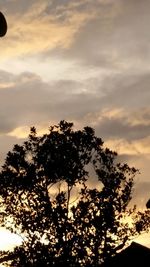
<point>85,61</point>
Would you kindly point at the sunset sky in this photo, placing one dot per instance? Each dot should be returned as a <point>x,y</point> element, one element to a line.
<point>85,61</point>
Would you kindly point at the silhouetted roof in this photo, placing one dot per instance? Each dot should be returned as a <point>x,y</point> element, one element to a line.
<point>135,255</point>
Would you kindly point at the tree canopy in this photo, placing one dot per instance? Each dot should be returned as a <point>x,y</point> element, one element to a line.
<point>37,182</point>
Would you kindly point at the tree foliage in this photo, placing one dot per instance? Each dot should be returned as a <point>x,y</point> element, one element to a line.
<point>55,232</point>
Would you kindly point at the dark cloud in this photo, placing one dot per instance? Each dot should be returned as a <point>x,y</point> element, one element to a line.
<point>118,128</point>
<point>30,100</point>
<point>64,8</point>
<point>117,37</point>
<point>13,7</point>
<point>128,93</point>
<point>128,90</point>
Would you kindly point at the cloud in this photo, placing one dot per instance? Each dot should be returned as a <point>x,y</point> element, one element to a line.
<point>135,147</point>
<point>84,61</point>
<point>126,126</point>
<point>27,99</point>
<point>34,28</point>
<point>141,194</point>
<point>105,54</point>
<point>115,38</point>
<point>111,35</point>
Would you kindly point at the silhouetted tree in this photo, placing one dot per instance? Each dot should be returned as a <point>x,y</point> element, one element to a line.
<point>55,232</point>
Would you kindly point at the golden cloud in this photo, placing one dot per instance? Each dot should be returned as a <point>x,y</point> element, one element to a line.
<point>141,117</point>
<point>23,131</point>
<point>128,117</point>
<point>5,85</point>
<point>135,147</point>
<point>19,132</point>
<point>33,33</point>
